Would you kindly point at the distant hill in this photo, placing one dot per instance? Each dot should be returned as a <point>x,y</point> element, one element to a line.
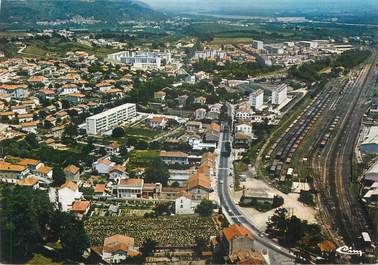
<point>108,11</point>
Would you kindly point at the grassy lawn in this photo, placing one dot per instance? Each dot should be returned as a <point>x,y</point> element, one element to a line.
<point>41,259</point>
<point>141,132</point>
<point>178,230</point>
<point>141,158</point>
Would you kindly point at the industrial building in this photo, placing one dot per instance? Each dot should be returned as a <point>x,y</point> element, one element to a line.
<point>109,119</point>
<point>257,99</point>
<point>279,94</point>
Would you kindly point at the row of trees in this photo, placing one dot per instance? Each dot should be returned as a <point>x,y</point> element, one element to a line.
<point>29,221</point>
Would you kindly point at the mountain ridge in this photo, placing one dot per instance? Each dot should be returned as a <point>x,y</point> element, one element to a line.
<point>109,11</point>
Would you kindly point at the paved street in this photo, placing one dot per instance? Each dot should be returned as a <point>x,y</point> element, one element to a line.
<point>277,254</point>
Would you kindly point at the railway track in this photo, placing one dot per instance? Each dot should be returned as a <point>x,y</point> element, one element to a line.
<point>333,164</point>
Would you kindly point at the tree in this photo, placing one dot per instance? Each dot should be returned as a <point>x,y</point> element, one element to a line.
<point>148,247</point>
<point>205,208</point>
<point>306,197</point>
<point>157,172</point>
<point>59,177</point>
<point>102,151</point>
<point>200,245</point>
<point>162,208</point>
<point>295,231</point>
<point>277,224</point>
<point>277,201</point>
<point>73,237</point>
<point>31,140</point>
<point>25,215</point>
<point>118,132</point>
<point>123,151</point>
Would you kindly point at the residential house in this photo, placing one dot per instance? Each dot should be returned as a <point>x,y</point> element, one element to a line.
<point>65,195</point>
<point>212,133</point>
<point>44,172</point>
<point>11,172</point>
<point>113,148</point>
<point>27,117</point>
<point>47,94</point>
<point>236,238</point>
<point>245,128</point>
<point>29,182</point>
<point>160,95</point>
<point>193,126</point>
<point>32,164</point>
<point>182,100</point>
<point>72,172</point>
<point>117,172</point>
<point>199,186</point>
<point>57,131</point>
<point>158,122</point>
<point>29,127</point>
<point>184,204</point>
<point>200,114</point>
<point>19,109</point>
<point>80,208</point>
<point>69,89</point>
<point>151,190</point>
<point>129,188</point>
<point>103,165</point>
<point>174,157</point>
<point>201,100</point>
<point>242,139</point>
<point>117,248</point>
<point>100,189</point>
<point>75,98</point>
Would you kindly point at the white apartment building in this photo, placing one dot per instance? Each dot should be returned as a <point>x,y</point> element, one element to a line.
<point>210,54</point>
<point>257,99</point>
<point>142,60</point>
<point>308,44</point>
<point>259,45</point>
<point>279,94</point>
<point>109,119</point>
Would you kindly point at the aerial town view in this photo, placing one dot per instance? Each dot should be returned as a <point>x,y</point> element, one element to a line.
<point>188,132</point>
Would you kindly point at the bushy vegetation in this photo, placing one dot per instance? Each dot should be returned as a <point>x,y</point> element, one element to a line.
<point>235,70</point>
<point>28,220</point>
<point>30,148</point>
<point>294,232</point>
<point>310,72</point>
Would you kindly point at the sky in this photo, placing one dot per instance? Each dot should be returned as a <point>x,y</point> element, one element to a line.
<point>182,5</point>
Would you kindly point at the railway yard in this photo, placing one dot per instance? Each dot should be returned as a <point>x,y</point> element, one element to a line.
<point>319,146</point>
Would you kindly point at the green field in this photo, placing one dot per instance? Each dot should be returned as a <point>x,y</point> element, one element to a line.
<point>141,158</point>
<point>141,132</point>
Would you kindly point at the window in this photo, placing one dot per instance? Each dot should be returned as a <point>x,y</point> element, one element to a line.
<point>181,206</point>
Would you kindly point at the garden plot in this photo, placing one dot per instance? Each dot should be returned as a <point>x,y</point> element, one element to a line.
<point>168,231</point>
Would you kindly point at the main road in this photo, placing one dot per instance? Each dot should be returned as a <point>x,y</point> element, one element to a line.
<point>277,254</point>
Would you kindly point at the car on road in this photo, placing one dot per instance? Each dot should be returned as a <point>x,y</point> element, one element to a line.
<point>221,182</point>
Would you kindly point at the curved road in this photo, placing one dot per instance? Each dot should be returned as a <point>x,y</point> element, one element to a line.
<point>277,254</point>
